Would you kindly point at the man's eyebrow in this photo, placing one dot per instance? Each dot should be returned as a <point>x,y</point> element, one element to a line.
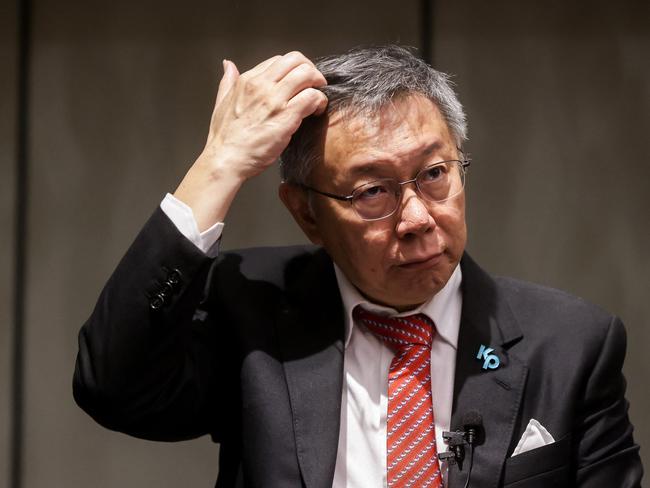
<point>372,165</point>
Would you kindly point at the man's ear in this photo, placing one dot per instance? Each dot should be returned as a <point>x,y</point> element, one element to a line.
<point>295,198</point>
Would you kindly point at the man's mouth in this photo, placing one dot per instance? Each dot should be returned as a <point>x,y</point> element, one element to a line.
<point>422,262</point>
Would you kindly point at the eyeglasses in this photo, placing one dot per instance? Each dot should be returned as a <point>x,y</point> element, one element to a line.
<point>380,198</point>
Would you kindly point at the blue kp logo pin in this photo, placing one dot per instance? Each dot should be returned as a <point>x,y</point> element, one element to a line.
<point>490,361</point>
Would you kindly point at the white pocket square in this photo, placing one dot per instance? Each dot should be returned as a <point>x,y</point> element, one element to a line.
<point>534,436</point>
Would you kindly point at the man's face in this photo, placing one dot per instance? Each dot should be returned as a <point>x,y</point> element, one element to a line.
<point>404,259</point>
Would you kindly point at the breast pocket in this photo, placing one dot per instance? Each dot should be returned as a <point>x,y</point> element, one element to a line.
<point>542,467</point>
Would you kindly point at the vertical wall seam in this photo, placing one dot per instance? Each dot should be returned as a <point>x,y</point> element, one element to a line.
<point>426,30</point>
<point>20,243</point>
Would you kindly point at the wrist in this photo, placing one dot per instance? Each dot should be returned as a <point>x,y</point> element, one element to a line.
<point>219,169</point>
<point>209,189</point>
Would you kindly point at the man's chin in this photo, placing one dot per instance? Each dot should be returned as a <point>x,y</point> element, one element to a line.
<point>416,296</point>
<point>403,299</point>
<point>407,293</point>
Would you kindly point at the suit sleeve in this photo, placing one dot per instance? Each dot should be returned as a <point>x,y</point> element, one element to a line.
<point>146,366</point>
<point>607,454</point>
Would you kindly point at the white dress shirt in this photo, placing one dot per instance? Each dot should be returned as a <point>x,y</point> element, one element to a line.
<point>361,456</point>
<point>183,218</point>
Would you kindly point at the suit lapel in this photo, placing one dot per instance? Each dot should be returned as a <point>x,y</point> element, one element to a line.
<point>310,329</point>
<point>494,393</point>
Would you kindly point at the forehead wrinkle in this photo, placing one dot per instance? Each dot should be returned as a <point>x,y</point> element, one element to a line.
<point>369,166</point>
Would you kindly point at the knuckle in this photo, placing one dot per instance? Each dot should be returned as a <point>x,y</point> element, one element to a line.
<point>312,94</point>
<point>295,56</point>
<point>319,79</point>
<point>317,95</point>
<point>273,105</point>
<point>305,70</point>
<point>310,101</point>
<point>251,85</point>
<point>307,96</point>
<point>305,67</point>
<point>309,73</point>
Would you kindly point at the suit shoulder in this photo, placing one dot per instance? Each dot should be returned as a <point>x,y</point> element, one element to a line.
<point>545,311</point>
<point>537,297</point>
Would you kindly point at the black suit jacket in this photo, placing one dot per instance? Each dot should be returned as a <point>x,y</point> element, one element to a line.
<point>249,349</point>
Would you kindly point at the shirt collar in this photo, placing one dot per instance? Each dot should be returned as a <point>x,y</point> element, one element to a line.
<point>444,308</point>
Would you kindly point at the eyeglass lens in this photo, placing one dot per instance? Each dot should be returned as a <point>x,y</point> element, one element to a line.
<point>435,183</point>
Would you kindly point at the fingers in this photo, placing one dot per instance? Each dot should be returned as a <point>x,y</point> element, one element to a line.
<point>284,64</point>
<point>298,87</point>
<point>298,79</point>
<point>288,82</point>
<point>307,102</point>
<point>283,76</point>
<point>256,112</point>
<point>260,68</point>
<point>231,74</point>
<point>228,80</point>
<point>321,104</point>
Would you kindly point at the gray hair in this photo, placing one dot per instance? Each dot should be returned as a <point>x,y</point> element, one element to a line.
<point>363,81</point>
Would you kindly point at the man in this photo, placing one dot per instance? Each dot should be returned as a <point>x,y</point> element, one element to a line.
<point>343,364</point>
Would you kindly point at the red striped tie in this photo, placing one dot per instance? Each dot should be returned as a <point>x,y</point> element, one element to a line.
<point>411,459</point>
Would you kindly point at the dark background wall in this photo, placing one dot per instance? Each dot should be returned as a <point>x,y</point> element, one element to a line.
<point>558,99</point>
<point>8,74</point>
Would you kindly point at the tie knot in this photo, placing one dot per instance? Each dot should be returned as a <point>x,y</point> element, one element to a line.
<point>397,332</point>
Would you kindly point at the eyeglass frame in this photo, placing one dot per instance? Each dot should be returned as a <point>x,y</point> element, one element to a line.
<point>464,164</point>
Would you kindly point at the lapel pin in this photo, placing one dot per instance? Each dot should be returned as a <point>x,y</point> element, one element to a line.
<point>490,361</point>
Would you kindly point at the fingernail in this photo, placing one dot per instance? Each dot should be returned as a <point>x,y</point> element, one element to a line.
<point>225,65</point>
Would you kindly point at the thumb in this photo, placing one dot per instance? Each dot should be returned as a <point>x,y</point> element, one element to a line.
<point>230,75</point>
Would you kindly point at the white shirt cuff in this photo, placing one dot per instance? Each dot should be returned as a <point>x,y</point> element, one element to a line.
<point>183,218</point>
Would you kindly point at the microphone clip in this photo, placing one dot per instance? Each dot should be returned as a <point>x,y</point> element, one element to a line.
<point>448,457</point>
<point>456,442</point>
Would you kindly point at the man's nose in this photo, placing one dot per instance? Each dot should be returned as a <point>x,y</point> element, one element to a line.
<point>414,215</point>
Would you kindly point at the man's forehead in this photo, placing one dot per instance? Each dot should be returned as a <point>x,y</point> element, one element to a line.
<point>369,163</point>
<point>412,125</point>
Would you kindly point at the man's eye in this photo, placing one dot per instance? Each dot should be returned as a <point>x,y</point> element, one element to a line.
<point>432,174</point>
<point>372,191</point>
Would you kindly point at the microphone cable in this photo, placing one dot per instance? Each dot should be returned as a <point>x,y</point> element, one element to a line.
<point>473,428</point>
<point>471,463</point>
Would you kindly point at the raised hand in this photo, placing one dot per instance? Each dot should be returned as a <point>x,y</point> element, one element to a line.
<point>254,117</point>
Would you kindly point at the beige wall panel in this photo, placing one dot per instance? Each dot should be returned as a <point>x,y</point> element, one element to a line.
<point>8,60</point>
<point>558,99</point>
<point>123,92</point>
